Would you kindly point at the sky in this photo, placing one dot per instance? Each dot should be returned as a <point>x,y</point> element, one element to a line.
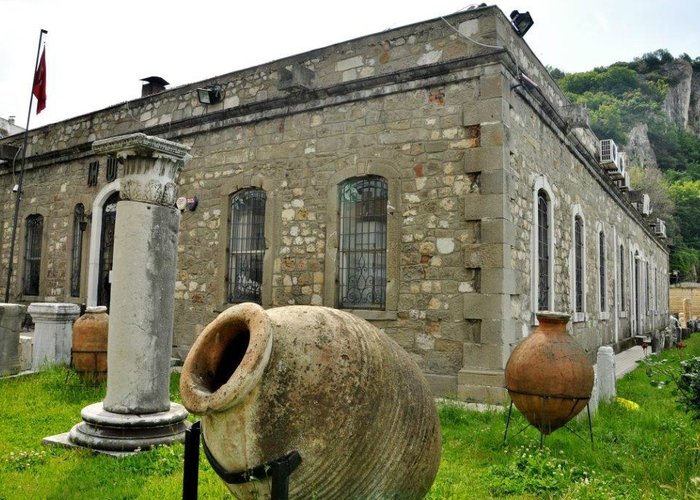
<point>98,50</point>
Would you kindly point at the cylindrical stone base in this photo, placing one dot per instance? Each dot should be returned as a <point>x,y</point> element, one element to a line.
<point>141,310</point>
<point>107,431</point>
<point>11,317</point>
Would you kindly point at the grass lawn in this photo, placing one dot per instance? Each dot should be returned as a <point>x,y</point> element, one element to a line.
<point>650,453</point>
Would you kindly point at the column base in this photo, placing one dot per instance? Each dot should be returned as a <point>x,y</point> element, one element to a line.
<point>102,430</point>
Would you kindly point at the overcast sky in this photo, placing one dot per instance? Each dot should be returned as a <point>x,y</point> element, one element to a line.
<point>97,51</point>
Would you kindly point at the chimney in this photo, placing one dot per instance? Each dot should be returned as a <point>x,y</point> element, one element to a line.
<point>153,85</point>
<point>11,120</point>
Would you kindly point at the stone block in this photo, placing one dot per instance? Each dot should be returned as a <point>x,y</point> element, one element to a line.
<point>485,306</point>
<point>497,230</point>
<point>11,318</point>
<point>493,378</point>
<point>487,256</point>
<point>442,385</point>
<point>484,206</point>
<point>499,331</point>
<point>494,182</point>
<point>485,356</point>
<point>492,134</point>
<point>499,279</point>
<point>483,394</point>
<point>25,352</point>
<point>485,111</point>
<point>53,329</point>
<point>484,158</point>
<point>493,87</point>
<point>605,371</point>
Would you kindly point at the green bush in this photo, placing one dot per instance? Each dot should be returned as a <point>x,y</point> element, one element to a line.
<point>689,386</point>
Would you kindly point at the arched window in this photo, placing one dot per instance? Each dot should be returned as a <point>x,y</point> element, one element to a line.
<point>246,246</point>
<point>79,225</point>
<point>362,250</point>
<point>622,278</point>
<point>32,254</point>
<point>543,250</point>
<point>602,274</point>
<point>578,264</point>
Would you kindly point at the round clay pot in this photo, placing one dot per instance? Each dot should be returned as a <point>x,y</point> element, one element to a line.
<point>548,375</point>
<point>321,382</point>
<point>89,351</point>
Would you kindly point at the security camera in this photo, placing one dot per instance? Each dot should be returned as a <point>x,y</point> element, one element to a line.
<point>15,188</point>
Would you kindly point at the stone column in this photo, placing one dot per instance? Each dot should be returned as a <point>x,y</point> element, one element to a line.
<point>137,412</point>
<point>53,328</point>
<point>11,316</point>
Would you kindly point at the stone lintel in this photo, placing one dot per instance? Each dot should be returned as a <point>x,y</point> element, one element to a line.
<point>486,306</point>
<point>485,158</point>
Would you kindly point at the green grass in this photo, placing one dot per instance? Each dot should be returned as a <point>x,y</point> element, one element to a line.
<point>650,453</point>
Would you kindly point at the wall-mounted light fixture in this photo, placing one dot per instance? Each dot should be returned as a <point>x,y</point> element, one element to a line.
<point>521,22</point>
<point>210,95</point>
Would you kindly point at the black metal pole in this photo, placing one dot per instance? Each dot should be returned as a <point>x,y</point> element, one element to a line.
<point>18,193</point>
<point>190,476</point>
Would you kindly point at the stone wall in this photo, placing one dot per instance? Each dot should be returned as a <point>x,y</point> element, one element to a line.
<point>445,121</point>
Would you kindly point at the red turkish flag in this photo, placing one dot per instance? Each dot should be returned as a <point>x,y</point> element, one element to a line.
<point>39,88</point>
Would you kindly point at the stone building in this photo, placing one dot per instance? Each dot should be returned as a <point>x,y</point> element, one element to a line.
<point>431,179</point>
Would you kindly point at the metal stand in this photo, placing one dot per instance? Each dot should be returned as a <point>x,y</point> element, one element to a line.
<point>510,411</point>
<point>278,470</point>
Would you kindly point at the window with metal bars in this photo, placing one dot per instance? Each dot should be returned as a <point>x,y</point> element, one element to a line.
<point>578,260</point>
<point>32,254</point>
<point>77,250</point>
<point>601,271</point>
<point>362,252</point>
<point>246,246</point>
<point>622,278</point>
<point>543,250</point>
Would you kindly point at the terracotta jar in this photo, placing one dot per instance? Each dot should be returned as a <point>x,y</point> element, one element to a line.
<point>89,351</point>
<point>321,382</point>
<point>548,376</point>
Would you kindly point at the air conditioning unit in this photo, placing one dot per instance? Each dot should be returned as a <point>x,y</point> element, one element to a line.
<point>660,228</point>
<point>619,173</point>
<point>624,183</point>
<point>608,154</point>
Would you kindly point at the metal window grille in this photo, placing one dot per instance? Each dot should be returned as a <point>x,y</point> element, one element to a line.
<point>109,218</point>
<point>601,271</point>
<point>622,278</point>
<point>363,243</point>
<point>93,172</point>
<point>32,254</point>
<point>543,249</point>
<point>77,251</point>
<point>578,236</point>
<point>246,246</point>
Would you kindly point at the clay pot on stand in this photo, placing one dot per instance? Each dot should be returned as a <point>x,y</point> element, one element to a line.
<point>321,382</point>
<point>89,351</point>
<point>548,375</point>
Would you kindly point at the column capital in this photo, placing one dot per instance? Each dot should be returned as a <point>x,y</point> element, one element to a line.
<point>151,166</point>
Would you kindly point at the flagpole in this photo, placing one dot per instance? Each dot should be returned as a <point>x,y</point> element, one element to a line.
<point>18,193</point>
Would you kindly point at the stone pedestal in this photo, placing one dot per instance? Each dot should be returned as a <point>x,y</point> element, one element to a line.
<point>11,317</point>
<point>137,412</point>
<point>53,324</point>
<point>605,368</point>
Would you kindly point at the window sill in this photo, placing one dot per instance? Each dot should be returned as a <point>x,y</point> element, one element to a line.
<point>371,315</point>
<point>604,316</point>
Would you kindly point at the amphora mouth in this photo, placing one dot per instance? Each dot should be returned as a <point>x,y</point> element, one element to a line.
<point>227,360</point>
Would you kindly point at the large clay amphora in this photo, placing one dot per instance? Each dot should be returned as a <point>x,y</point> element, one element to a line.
<point>548,376</point>
<point>321,382</point>
<point>89,351</point>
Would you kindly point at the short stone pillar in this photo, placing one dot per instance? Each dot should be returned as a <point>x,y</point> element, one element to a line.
<point>11,317</point>
<point>53,327</point>
<point>605,369</point>
<point>137,412</point>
